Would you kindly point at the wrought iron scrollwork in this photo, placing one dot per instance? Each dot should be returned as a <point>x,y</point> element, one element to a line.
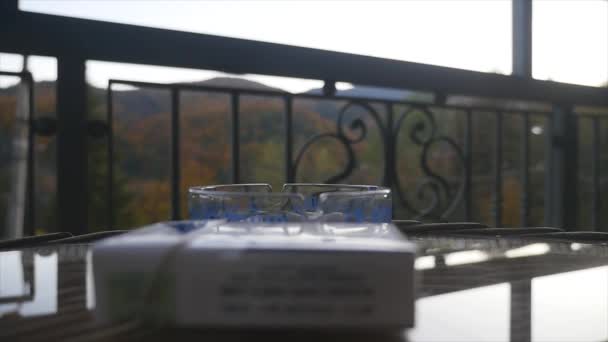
<point>433,190</point>
<point>356,125</point>
<point>350,154</point>
<point>440,184</point>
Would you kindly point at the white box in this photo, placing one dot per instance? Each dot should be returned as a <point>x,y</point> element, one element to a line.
<point>124,266</point>
<point>283,275</point>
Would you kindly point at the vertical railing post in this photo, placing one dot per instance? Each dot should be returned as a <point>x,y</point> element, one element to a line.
<point>468,170</point>
<point>236,131</point>
<point>522,37</point>
<point>525,170</point>
<point>596,205</point>
<point>521,291</point>
<point>390,164</point>
<point>522,66</point>
<point>175,157</point>
<point>497,200</point>
<point>390,148</point>
<point>110,150</point>
<point>30,219</point>
<point>561,169</point>
<point>289,174</point>
<point>71,145</point>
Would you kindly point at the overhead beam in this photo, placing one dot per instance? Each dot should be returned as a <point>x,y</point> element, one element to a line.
<point>9,6</point>
<point>42,34</point>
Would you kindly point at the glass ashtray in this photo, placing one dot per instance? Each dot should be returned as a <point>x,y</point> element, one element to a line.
<point>296,202</point>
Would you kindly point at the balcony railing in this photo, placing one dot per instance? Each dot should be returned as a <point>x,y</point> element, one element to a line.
<point>441,195</point>
<point>74,41</point>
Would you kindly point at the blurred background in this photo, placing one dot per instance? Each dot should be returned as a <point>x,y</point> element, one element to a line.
<point>488,111</point>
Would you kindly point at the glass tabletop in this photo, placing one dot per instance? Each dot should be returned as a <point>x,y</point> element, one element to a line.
<point>467,290</point>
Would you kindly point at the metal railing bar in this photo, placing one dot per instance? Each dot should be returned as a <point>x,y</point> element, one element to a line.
<point>20,74</point>
<point>72,151</point>
<point>390,150</point>
<point>236,148</point>
<point>592,115</point>
<point>141,84</point>
<point>289,139</point>
<point>175,156</point>
<point>390,157</point>
<point>110,151</point>
<point>468,170</point>
<point>30,216</point>
<point>497,200</point>
<point>43,34</point>
<point>247,91</point>
<point>525,170</point>
<point>595,172</point>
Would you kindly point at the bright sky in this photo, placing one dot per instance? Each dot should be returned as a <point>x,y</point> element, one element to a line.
<point>570,42</point>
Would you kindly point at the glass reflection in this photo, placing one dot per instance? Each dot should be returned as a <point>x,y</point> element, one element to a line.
<point>89,283</point>
<point>577,246</point>
<point>528,250</point>
<point>571,306</point>
<point>424,262</point>
<point>28,291</point>
<point>465,257</point>
<point>480,314</point>
<point>12,282</point>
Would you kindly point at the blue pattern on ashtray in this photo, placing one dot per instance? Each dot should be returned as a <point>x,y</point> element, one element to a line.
<point>373,209</point>
<point>311,203</point>
<point>186,226</point>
